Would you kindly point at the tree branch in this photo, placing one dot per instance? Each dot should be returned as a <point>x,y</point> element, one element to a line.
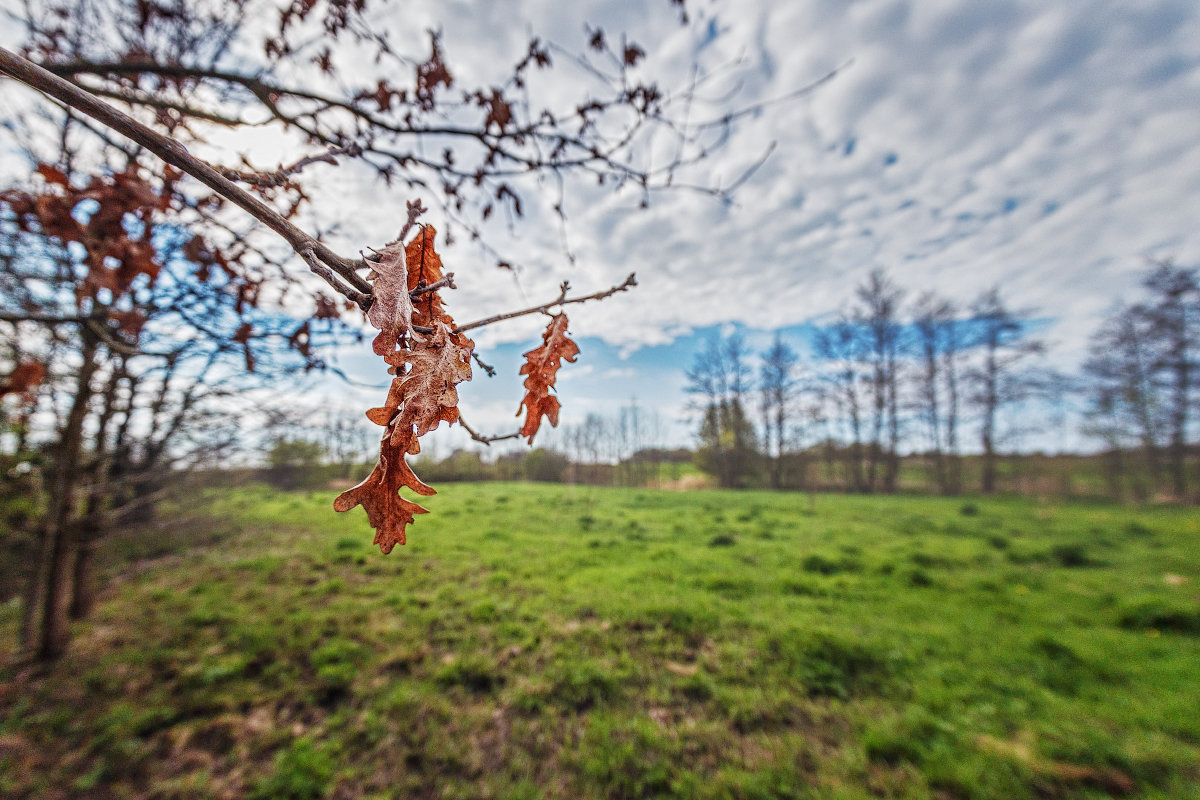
<point>484,439</point>
<point>561,300</point>
<point>175,154</point>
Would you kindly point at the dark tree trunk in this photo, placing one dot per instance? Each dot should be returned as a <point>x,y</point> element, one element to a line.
<point>83,578</point>
<point>47,625</point>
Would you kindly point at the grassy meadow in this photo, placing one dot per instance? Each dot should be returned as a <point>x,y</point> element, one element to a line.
<point>559,641</point>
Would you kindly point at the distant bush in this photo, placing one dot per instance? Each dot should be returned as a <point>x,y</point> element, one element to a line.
<point>969,510</point>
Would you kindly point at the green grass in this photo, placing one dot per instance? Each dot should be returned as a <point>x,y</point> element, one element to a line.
<point>556,641</point>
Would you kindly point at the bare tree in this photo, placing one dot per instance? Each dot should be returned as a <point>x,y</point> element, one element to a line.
<point>1173,315</point>
<point>1000,379</point>
<point>777,385</point>
<point>879,317</point>
<point>1125,409</point>
<point>1140,375</point>
<point>936,332</point>
<point>841,346</point>
<point>720,377</point>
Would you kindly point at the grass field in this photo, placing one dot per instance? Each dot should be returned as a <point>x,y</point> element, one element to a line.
<point>556,641</point>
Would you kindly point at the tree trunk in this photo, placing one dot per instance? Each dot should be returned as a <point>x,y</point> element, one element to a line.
<point>83,578</point>
<point>991,400</point>
<point>892,473</point>
<point>1179,420</point>
<point>55,569</point>
<point>989,463</point>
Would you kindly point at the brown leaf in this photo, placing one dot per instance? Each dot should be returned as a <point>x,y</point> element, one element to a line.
<point>417,402</point>
<point>427,393</point>
<point>24,376</point>
<point>498,111</point>
<point>53,174</point>
<point>387,512</point>
<point>431,74</point>
<point>392,308</point>
<point>541,366</point>
<point>425,269</point>
<point>106,235</point>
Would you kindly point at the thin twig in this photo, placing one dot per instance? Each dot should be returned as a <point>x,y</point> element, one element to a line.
<point>561,300</point>
<point>281,175</point>
<point>362,300</point>
<point>415,209</point>
<point>484,439</point>
<point>45,319</point>
<point>447,281</point>
<point>488,368</point>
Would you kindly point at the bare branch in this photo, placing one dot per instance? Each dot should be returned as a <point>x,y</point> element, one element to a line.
<point>447,282</point>
<point>561,300</point>
<point>177,155</point>
<point>281,175</point>
<point>486,367</point>
<point>484,439</point>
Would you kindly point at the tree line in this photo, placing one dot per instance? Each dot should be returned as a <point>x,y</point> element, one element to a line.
<point>898,392</point>
<point>896,382</point>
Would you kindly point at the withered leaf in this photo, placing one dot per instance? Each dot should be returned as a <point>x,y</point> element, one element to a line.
<point>23,378</point>
<point>392,308</point>
<point>53,174</point>
<point>387,512</point>
<point>431,74</point>
<point>541,366</point>
<point>422,395</point>
<point>427,393</point>
<point>425,267</point>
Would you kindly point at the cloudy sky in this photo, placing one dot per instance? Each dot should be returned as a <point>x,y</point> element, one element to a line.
<point>1045,147</point>
<point>1049,147</point>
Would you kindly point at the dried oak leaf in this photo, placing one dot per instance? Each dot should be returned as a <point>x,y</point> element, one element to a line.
<point>387,512</point>
<point>418,401</point>
<point>541,366</point>
<point>425,269</point>
<point>431,74</point>
<point>426,394</point>
<point>392,308</point>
